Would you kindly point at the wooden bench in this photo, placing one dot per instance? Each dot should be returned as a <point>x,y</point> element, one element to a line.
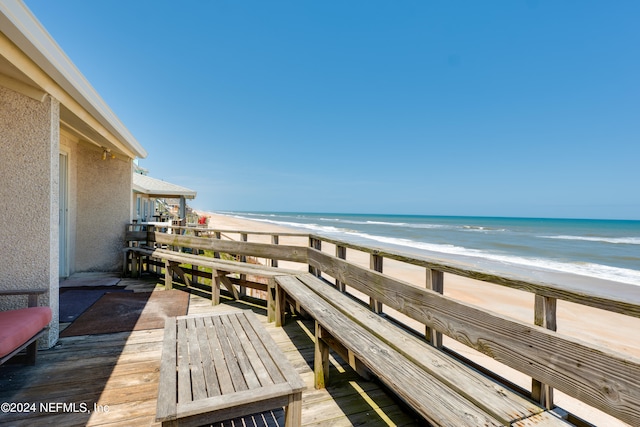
<point>217,367</point>
<point>440,388</point>
<point>21,328</point>
<point>220,269</point>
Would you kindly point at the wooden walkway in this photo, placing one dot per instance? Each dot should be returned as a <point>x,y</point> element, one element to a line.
<point>112,379</point>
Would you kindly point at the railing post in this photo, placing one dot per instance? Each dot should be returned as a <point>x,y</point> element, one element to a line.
<point>375,263</point>
<point>195,251</point>
<point>315,244</point>
<point>274,241</point>
<point>244,237</point>
<point>217,236</point>
<point>545,316</point>
<point>341,252</point>
<point>151,241</point>
<point>435,282</point>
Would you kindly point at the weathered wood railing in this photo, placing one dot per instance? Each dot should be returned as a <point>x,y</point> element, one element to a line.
<point>602,378</point>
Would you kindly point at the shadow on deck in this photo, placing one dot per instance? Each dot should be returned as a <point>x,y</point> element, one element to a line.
<point>112,379</point>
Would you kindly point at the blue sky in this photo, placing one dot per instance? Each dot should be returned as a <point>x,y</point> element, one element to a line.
<point>495,108</point>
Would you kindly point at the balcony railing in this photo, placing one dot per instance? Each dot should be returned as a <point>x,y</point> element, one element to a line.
<point>537,348</point>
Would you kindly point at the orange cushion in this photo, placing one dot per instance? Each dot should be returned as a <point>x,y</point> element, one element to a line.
<point>18,326</point>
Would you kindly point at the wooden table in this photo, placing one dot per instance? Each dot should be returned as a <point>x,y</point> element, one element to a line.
<point>217,367</point>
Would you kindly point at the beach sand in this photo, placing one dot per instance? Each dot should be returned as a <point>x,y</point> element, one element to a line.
<point>610,330</point>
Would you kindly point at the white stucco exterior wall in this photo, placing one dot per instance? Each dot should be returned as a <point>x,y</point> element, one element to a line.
<point>29,137</point>
<point>104,190</point>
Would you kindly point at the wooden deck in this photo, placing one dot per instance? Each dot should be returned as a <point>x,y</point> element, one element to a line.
<point>112,379</point>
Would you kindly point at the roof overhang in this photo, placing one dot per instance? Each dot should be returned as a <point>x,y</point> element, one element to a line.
<point>32,63</point>
<point>153,187</point>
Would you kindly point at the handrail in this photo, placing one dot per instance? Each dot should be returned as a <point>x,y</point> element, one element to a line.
<point>606,295</point>
<point>600,377</point>
<point>598,293</point>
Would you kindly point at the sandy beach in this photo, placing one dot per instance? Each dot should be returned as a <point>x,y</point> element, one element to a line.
<point>609,330</point>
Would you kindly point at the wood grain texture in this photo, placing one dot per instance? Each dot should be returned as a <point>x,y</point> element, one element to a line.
<point>237,350</point>
<point>611,296</point>
<point>262,250</point>
<point>428,396</point>
<point>599,377</point>
<point>485,393</point>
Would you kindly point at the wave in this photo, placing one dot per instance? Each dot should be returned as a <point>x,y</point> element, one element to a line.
<point>385,223</point>
<point>601,271</point>
<point>606,272</point>
<point>614,240</point>
<point>374,222</point>
<point>481,228</point>
<point>299,225</point>
<point>416,225</point>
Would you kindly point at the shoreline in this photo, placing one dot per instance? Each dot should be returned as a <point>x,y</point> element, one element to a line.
<point>576,281</point>
<point>605,252</point>
<point>599,327</point>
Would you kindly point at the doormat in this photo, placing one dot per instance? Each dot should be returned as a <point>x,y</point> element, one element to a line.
<point>124,311</point>
<point>75,301</point>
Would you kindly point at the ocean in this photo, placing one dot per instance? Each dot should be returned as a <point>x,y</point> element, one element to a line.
<point>605,249</point>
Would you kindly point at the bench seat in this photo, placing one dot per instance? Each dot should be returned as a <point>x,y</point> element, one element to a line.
<point>21,328</point>
<point>220,269</point>
<point>440,388</point>
<point>214,263</point>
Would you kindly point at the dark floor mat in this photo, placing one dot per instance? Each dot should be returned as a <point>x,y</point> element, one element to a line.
<point>124,311</point>
<point>75,301</point>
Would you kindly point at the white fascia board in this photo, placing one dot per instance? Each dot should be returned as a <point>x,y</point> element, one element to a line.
<point>27,33</point>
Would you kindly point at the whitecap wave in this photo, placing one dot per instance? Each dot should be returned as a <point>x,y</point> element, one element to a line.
<point>481,228</point>
<point>606,272</point>
<point>406,224</point>
<point>614,240</point>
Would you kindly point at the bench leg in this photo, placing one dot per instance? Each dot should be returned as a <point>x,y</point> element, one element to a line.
<point>320,360</point>
<point>293,411</point>
<point>271,304</point>
<point>125,263</point>
<point>32,351</point>
<point>215,288</point>
<point>280,308</point>
<point>168,276</point>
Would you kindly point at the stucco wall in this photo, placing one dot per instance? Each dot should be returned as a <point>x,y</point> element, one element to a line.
<point>104,207</point>
<point>29,137</point>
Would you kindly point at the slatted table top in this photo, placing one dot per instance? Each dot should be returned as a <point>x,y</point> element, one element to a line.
<point>220,366</point>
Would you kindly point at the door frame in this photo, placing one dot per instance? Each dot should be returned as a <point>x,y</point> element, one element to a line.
<point>63,212</point>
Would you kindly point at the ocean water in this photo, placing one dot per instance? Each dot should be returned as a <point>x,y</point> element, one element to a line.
<point>606,249</point>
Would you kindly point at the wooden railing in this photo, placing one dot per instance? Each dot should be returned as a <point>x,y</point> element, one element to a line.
<point>600,377</point>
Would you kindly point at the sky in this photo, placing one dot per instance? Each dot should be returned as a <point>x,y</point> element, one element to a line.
<point>478,108</point>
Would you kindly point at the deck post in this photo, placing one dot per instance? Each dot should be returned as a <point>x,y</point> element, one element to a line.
<point>315,244</point>
<point>274,241</point>
<point>341,252</point>
<point>196,267</point>
<point>545,316</point>
<point>435,282</point>
<point>217,236</point>
<point>244,237</point>
<point>375,263</point>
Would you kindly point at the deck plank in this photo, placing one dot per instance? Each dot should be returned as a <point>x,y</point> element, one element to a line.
<point>121,371</point>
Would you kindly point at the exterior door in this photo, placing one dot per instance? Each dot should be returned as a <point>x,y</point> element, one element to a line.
<point>62,217</point>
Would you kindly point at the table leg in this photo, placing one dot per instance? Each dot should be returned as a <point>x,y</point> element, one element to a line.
<point>293,412</point>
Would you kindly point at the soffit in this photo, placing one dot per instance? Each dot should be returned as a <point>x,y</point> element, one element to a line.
<point>29,55</point>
